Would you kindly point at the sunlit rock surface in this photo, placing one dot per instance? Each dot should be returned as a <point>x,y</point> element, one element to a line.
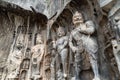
<point>46,7</point>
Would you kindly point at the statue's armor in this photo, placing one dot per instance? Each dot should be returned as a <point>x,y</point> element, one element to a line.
<point>87,41</point>
<point>60,43</point>
<point>81,39</point>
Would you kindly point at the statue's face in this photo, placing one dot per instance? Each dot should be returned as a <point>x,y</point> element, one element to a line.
<point>20,42</point>
<point>39,39</point>
<point>60,32</point>
<point>77,18</point>
<point>19,45</point>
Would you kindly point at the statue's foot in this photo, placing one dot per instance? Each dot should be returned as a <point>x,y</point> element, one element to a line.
<point>96,78</point>
<point>65,75</point>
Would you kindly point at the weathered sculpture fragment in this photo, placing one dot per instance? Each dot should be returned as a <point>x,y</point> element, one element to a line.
<point>37,56</point>
<point>69,50</point>
<point>15,58</point>
<point>114,17</point>
<point>80,41</point>
<point>116,52</point>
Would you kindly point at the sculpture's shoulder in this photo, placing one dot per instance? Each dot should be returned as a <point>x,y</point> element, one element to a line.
<point>90,23</point>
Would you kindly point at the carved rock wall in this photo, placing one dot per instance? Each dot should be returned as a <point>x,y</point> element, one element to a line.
<point>27,38</point>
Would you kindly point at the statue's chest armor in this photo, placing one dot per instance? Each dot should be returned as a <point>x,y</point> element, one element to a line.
<point>76,34</point>
<point>60,41</point>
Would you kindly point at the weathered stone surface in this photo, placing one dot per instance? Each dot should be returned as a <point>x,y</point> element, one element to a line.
<point>104,2</point>
<point>46,7</point>
<point>35,40</point>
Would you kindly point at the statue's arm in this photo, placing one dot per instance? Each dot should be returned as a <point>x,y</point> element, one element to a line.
<point>65,42</point>
<point>89,29</point>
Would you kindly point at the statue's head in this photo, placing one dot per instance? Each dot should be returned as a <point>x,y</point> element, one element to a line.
<point>19,45</point>
<point>20,42</point>
<point>117,18</point>
<point>39,39</point>
<point>77,18</point>
<point>61,31</point>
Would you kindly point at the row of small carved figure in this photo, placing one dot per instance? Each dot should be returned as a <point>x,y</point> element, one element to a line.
<point>79,39</point>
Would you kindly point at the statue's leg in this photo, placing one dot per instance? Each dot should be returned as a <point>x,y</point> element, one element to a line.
<point>34,71</point>
<point>17,70</point>
<point>94,64</point>
<point>53,66</point>
<point>52,72</point>
<point>64,54</point>
<point>38,68</point>
<point>77,65</point>
<point>53,69</point>
<point>91,47</point>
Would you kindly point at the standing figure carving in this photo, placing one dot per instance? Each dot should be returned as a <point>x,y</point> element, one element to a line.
<point>116,52</point>
<point>81,40</point>
<point>15,58</point>
<point>116,42</point>
<point>62,49</point>
<point>37,55</point>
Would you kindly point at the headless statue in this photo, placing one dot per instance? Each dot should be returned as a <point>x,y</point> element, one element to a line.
<point>80,40</point>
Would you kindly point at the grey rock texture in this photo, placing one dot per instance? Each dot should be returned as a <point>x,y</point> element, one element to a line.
<point>29,33</point>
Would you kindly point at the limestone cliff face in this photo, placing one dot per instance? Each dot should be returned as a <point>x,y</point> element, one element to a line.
<point>29,31</point>
<point>46,7</point>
